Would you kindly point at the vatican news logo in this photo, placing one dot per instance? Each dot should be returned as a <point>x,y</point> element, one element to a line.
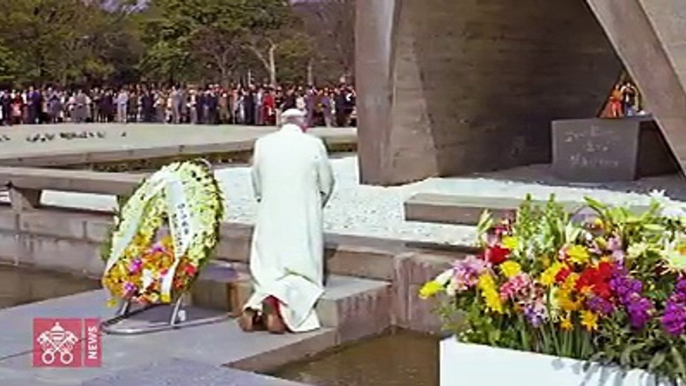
<point>67,342</point>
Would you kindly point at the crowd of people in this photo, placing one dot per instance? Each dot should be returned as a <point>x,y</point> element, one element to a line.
<point>253,105</point>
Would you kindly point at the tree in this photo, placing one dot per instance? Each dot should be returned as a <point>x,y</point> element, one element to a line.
<point>208,32</point>
<point>268,25</point>
<point>332,24</point>
<point>60,40</point>
<point>215,33</point>
<point>9,67</point>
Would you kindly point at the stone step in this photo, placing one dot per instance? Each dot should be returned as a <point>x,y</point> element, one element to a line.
<point>461,209</point>
<point>355,307</point>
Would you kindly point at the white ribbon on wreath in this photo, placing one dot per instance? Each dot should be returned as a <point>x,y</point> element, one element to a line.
<point>180,226</point>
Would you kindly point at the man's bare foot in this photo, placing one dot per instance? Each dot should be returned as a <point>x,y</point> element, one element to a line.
<point>273,320</point>
<point>250,321</point>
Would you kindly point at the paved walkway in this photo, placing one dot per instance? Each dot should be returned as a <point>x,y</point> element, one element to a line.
<point>130,357</point>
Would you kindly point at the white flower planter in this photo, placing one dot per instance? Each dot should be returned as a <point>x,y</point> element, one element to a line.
<point>473,365</point>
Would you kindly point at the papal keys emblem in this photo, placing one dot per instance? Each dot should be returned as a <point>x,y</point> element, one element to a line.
<point>57,345</point>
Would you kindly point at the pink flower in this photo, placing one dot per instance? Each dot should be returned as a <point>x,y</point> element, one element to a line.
<point>516,287</point>
<point>466,272</point>
<point>135,266</point>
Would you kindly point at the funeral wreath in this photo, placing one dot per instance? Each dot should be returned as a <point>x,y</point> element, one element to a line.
<point>608,289</point>
<point>147,262</point>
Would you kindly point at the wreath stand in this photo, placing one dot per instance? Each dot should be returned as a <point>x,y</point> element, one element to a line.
<point>176,320</point>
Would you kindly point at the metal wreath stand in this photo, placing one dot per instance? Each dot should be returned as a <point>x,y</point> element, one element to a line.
<point>177,318</point>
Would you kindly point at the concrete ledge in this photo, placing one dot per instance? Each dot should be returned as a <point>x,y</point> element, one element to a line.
<point>466,210</point>
<point>70,241</point>
<point>81,181</point>
<point>336,142</point>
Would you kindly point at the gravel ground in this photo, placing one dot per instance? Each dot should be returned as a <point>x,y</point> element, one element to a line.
<point>378,211</point>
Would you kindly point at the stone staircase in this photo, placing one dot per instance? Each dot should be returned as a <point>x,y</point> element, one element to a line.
<point>648,35</point>
<point>354,307</point>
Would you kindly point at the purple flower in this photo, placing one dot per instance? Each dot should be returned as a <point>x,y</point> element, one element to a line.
<point>674,318</point>
<point>158,247</point>
<point>536,313</point>
<point>129,289</point>
<point>639,310</point>
<point>600,305</point>
<point>680,290</point>
<point>466,272</point>
<point>614,245</point>
<point>628,291</point>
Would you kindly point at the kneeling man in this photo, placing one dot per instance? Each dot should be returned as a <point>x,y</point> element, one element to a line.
<point>293,181</point>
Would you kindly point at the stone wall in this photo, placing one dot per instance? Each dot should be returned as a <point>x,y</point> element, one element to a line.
<point>449,87</point>
<point>69,241</point>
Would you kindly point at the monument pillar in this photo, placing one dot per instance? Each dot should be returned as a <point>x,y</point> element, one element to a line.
<point>449,87</point>
<point>374,33</point>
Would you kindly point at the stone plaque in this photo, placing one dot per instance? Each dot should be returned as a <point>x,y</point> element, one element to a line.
<point>596,150</point>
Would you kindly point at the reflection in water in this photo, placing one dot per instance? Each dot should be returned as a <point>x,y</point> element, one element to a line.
<point>401,359</point>
<point>21,285</point>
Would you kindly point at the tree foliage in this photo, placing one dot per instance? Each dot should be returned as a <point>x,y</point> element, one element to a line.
<point>93,42</point>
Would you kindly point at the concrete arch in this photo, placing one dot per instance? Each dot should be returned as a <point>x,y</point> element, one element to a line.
<point>448,87</point>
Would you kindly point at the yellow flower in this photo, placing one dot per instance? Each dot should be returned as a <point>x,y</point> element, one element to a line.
<point>510,242</point>
<point>565,301</point>
<point>490,294</point>
<point>510,268</point>
<point>570,282</point>
<point>566,323</point>
<point>548,276</point>
<point>578,254</point>
<point>430,289</point>
<point>112,302</point>
<point>589,320</point>
<point>598,223</point>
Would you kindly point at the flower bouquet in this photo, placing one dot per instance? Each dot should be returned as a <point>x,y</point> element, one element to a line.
<point>609,290</point>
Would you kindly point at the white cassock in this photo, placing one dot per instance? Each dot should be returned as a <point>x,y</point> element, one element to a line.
<point>293,180</point>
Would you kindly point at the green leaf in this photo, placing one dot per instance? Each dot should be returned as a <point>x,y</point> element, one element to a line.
<point>657,228</point>
<point>679,361</point>
<point>597,357</point>
<point>485,222</point>
<point>657,361</point>
<point>625,358</point>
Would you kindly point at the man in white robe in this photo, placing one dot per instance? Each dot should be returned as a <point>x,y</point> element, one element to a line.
<point>293,180</point>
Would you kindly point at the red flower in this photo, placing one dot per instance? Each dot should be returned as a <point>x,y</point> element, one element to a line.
<point>190,270</point>
<point>596,279</point>
<point>602,290</point>
<point>605,270</point>
<point>496,254</point>
<point>563,274</point>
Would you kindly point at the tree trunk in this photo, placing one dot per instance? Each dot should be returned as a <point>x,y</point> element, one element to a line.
<point>272,65</point>
<point>310,72</point>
